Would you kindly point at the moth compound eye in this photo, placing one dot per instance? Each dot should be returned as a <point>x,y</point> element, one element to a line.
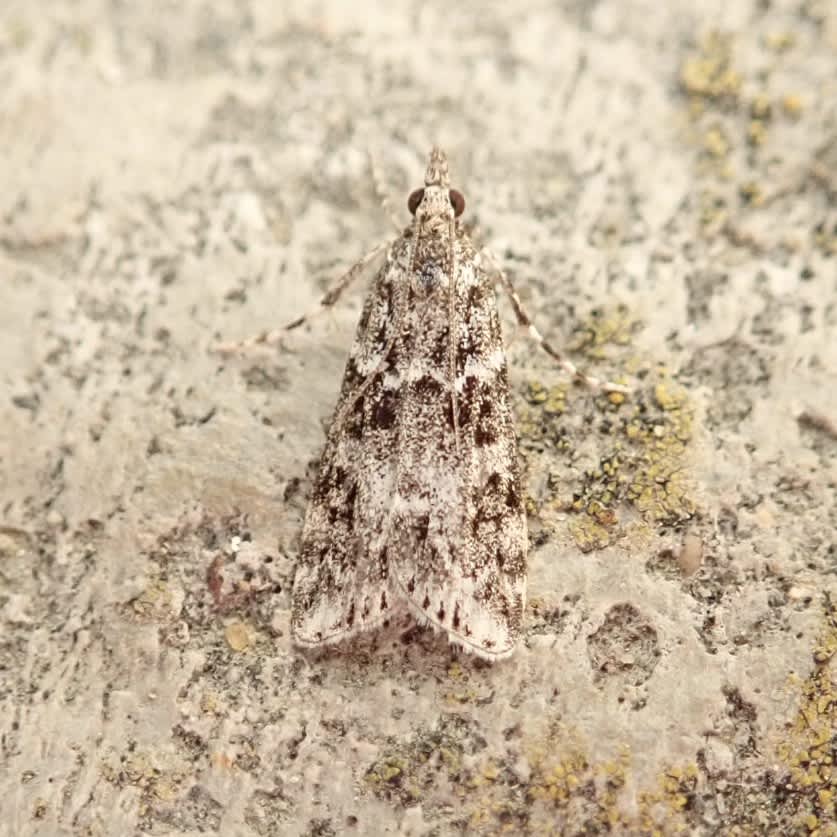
<point>457,202</point>
<point>414,200</point>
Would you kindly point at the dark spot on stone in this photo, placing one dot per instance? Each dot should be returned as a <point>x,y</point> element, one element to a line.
<point>625,649</point>
<point>350,616</point>
<point>411,585</point>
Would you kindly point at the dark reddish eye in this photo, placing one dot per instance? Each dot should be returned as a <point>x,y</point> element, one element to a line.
<point>457,202</point>
<point>414,200</point>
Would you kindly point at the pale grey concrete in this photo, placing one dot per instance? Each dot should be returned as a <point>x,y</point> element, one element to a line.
<point>177,173</point>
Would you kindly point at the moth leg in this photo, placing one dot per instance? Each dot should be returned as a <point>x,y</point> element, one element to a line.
<point>525,320</point>
<point>274,336</point>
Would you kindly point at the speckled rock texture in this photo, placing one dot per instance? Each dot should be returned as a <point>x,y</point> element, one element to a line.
<point>658,179</point>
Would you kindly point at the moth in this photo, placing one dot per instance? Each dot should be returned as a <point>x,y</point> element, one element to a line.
<point>418,506</point>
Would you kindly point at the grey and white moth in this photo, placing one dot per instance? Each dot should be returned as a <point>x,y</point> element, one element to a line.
<point>418,505</point>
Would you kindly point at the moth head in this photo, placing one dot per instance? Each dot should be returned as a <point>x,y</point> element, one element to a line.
<point>454,198</point>
<point>436,198</point>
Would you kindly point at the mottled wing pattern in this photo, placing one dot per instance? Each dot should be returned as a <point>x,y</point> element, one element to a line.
<point>418,503</point>
<point>341,585</point>
<point>458,540</point>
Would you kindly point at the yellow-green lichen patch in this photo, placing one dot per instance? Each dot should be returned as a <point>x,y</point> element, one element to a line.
<point>161,778</point>
<point>555,788</point>
<point>825,238</point>
<point>659,487</point>
<point>462,687</point>
<point>604,328</point>
<point>733,117</point>
<point>388,772</point>
<point>661,809</point>
<point>792,105</point>
<point>808,749</point>
<point>239,635</point>
<point>545,781</point>
<point>158,602</point>
<point>707,75</point>
<point>610,461</point>
<point>407,772</point>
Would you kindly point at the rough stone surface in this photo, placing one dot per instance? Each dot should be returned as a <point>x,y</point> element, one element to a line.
<point>660,184</point>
